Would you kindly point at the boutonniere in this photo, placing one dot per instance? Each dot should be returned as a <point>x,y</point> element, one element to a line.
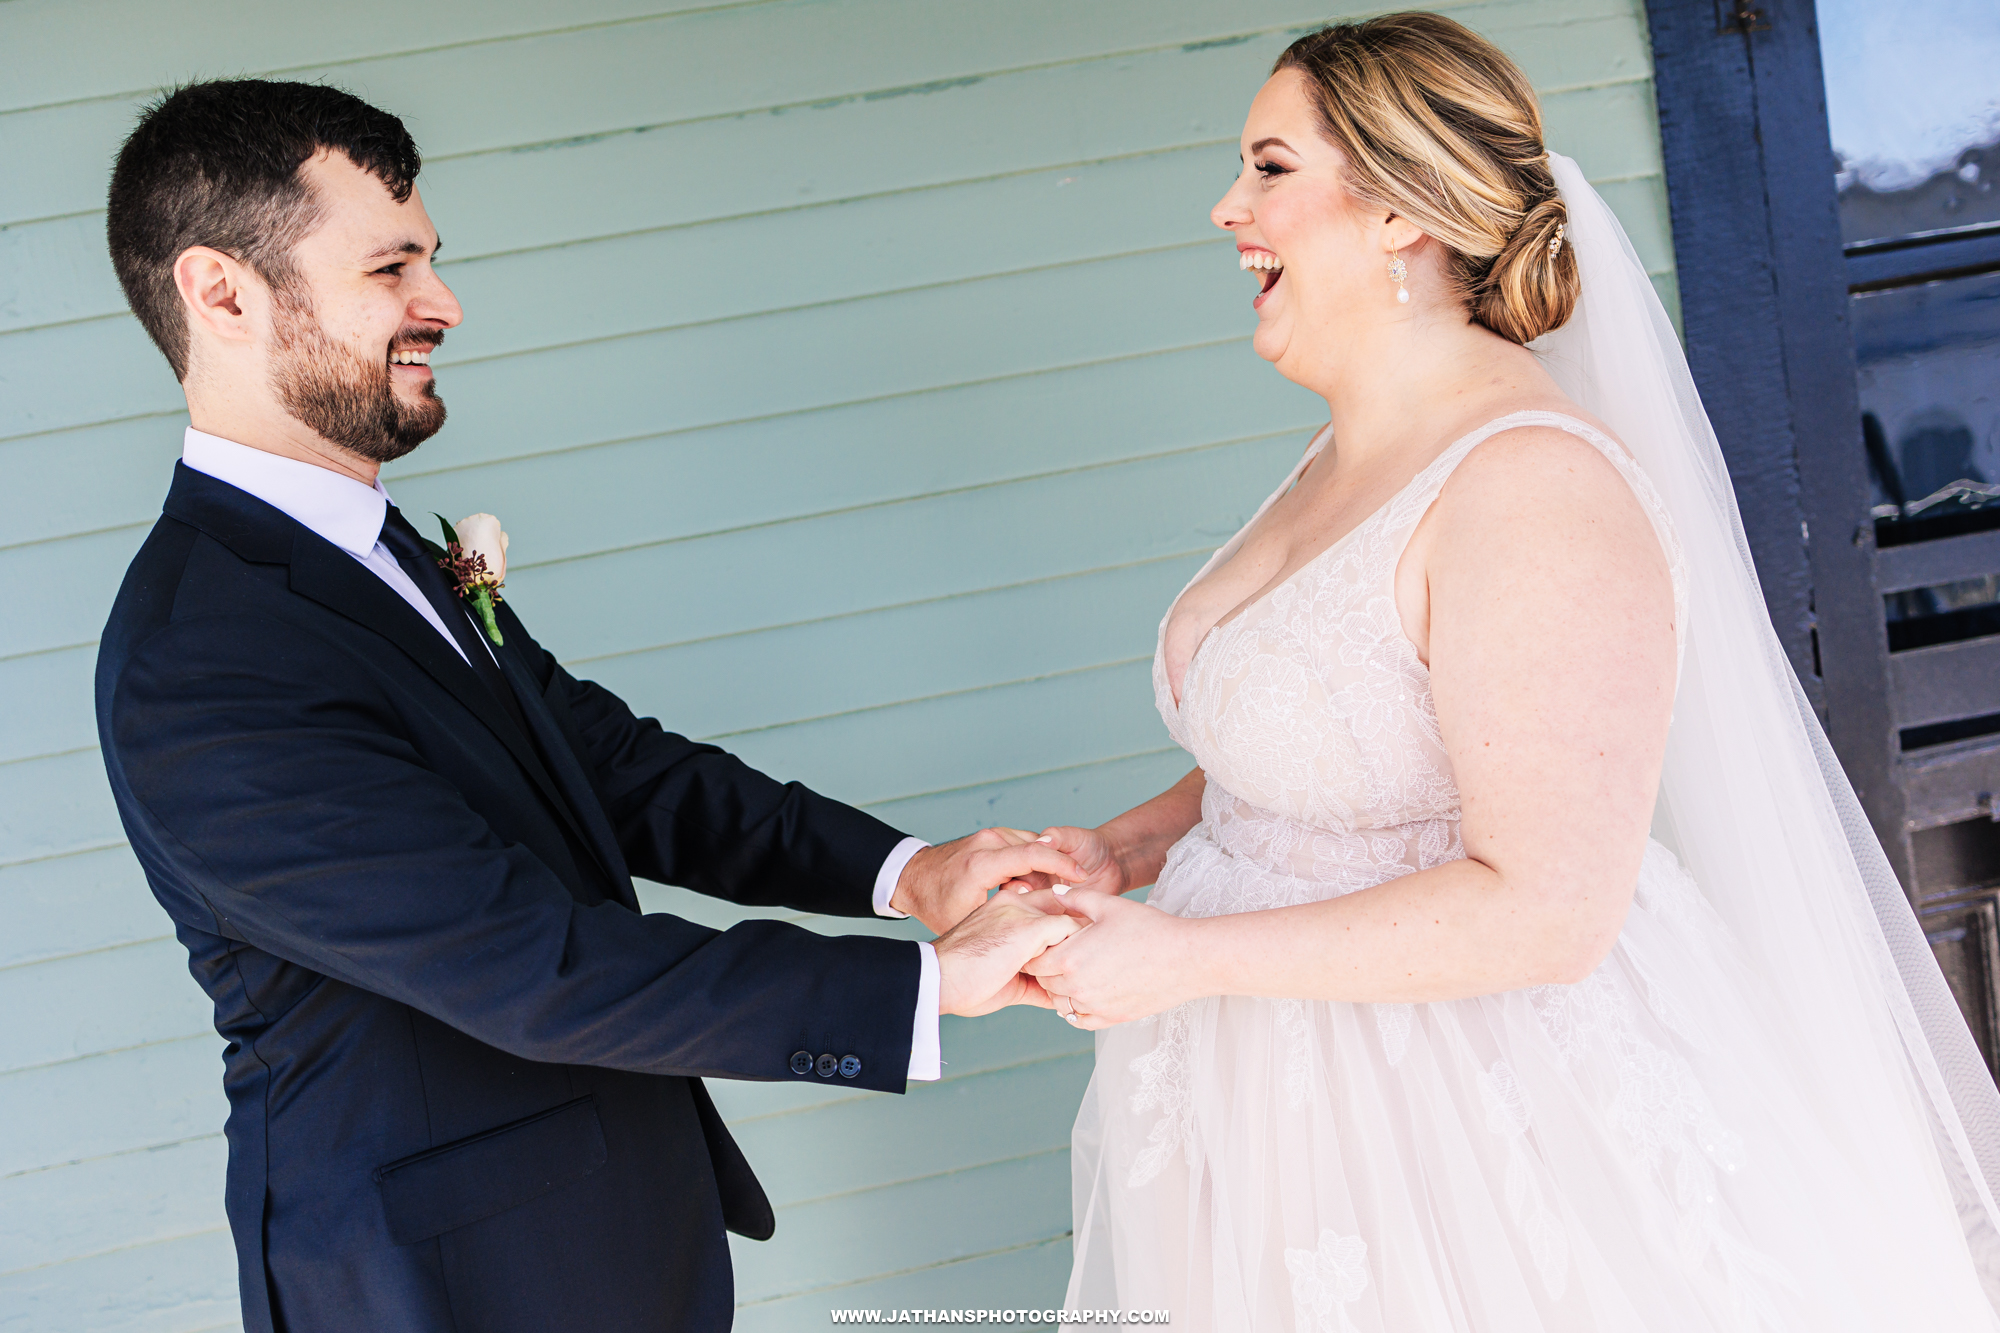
<point>474,558</point>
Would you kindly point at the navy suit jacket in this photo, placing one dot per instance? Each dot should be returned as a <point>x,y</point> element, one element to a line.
<point>463,1067</point>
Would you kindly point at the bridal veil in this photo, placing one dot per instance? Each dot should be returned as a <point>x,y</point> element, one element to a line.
<point>1753,800</point>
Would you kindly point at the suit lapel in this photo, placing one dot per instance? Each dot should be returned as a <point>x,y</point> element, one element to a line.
<point>569,773</point>
<point>326,574</point>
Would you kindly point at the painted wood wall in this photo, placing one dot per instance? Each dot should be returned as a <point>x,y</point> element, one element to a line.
<point>858,380</point>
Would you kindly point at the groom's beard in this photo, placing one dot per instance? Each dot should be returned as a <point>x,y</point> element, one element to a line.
<point>346,400</point>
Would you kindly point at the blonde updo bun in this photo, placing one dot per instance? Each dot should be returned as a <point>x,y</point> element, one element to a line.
<point>1439,127</point>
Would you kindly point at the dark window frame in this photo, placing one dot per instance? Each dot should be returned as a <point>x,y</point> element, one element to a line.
<point>1764,311</point>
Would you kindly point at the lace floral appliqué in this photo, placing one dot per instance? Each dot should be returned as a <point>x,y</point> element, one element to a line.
<point>1327,1280</point>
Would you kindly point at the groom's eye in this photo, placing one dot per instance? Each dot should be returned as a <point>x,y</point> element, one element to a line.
<point>393,270</point>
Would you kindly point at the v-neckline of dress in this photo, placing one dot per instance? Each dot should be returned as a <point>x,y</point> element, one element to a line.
<point>1179,698</point>
<point>1263,598</point>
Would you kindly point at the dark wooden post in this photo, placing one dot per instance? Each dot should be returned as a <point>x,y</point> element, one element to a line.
<point>1764,307</point>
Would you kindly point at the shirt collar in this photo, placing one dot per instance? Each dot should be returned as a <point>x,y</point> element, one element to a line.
<point>346,512</point>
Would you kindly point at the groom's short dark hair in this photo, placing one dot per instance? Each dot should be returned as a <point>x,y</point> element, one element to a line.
<point>217,164</point>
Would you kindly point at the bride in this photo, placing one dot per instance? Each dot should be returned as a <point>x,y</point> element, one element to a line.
<point>1518,958</point>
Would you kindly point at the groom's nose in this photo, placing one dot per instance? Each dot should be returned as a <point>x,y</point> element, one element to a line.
<point>433,303</point>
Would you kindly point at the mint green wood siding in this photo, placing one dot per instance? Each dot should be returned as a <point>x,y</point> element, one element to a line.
<point>857,380</point>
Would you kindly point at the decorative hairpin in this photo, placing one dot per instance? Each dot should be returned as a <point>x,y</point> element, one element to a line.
<point>1556,241</point>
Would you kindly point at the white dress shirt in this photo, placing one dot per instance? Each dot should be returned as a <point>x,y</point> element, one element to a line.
<point>349,514</point>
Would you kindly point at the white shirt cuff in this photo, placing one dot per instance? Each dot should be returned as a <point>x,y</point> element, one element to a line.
<point>885,888</point>
<point>926,1054</point>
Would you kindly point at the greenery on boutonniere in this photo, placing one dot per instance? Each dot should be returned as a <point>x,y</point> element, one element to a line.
<point>476,583</point>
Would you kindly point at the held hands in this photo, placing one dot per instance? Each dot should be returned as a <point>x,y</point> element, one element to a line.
<point>943,884</point>
<point>1129,961</point>
<point>980,959</point>
<point>1058,935</point>
<point>1096,862</point>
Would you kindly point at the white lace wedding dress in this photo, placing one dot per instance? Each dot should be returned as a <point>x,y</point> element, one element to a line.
<point>1635,1151</point>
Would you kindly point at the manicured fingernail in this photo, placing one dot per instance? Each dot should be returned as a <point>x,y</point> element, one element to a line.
<point>1045,838</point>
<point>1062,889</point>
<point>1022,889</point>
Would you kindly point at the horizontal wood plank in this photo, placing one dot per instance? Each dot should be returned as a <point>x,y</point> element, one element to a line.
<point>106,1000</point>
<point>111,1203</point>
<point>183,1285</point>
<point>1951,783</point>
<point>62,590</point>
<point>1949,681</point>
<point>832,1241</point>
<point>55,806</point>
<point>1084,795</point>
<point>146,1097</point>
<point>143,46</point>
<point>73,904</point>
<point>1924,564</point>
<point>826,668</point>
<point>91,479</point>
<point>46,703</point>
<point>925,744</point>
<point>895,554</point>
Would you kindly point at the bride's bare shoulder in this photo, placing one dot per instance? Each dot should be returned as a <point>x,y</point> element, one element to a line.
<point>1538,492</point>
<point>1538,463</point>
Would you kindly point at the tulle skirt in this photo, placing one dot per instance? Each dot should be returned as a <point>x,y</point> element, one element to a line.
<point>1637,1151</point>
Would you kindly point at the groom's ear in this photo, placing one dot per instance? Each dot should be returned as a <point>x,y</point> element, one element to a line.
<point>219,295</point>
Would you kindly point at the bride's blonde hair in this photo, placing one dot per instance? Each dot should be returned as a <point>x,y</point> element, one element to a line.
<point>1441,128</point>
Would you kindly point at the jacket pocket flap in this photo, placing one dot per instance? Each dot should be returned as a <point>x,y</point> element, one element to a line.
<point>435,1191</point>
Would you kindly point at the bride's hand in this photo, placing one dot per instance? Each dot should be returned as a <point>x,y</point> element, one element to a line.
<point>1130,961</point>
<point>1093,854</point>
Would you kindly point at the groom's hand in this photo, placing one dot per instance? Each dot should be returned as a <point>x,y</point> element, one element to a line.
<point>980,959</point>
<point>942,885</point>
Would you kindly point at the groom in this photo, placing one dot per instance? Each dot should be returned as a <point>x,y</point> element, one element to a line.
<point>463,1067</point>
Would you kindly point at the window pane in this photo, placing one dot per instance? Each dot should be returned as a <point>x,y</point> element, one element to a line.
<point>1913,102</point>
<point>1930,406</point>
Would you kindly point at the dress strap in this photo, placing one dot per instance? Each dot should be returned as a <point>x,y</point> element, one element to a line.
<point>1417,499</point>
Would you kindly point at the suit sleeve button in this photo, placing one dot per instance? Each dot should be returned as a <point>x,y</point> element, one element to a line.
<point>828,1065</point>
<point>802,1062</point>
<point>850,1065</point>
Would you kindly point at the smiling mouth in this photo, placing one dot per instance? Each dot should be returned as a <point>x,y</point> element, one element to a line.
<point>1267,266</point>
<point>410,356</point>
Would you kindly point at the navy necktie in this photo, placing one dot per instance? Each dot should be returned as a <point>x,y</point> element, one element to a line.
<point>424,571</point>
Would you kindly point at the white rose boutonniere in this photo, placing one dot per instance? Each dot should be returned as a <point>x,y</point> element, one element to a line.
<point>474,557</point>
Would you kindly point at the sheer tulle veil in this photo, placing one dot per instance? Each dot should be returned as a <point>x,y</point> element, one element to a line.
<point>1756,806</point>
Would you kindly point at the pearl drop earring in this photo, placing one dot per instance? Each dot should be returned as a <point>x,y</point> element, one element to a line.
<point>1397,272</point>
